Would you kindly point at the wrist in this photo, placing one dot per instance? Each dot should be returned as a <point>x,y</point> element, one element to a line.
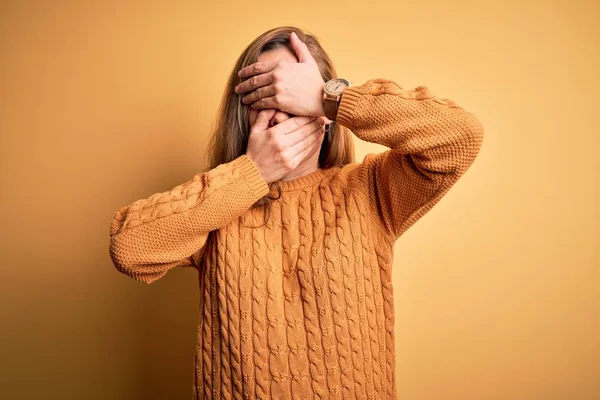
<point>332,96</point>
<point>258,167</point>
<point>331,107</point>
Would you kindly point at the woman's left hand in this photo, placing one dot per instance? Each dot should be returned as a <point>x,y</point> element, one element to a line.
<point>295,88</point>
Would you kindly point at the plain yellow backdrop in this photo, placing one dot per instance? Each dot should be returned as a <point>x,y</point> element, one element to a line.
<point>497,289</point>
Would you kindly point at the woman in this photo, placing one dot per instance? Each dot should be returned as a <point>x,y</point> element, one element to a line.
<point>292,240</point>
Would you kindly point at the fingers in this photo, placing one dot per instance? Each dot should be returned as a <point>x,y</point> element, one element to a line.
<point>304,133</point>
<point>263,119</point>
<point>307,147</point>
<point>279,117</point>
<point>262,92</point>
<point>253,83</point>
<point>315,147</point>
<point>257,68</point>
<point>291,125</point>
<point>267,102</point>
<point>262,67</point>
<point>301,49</point>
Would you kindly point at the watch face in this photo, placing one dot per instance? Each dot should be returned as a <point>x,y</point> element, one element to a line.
<point>336,86</point>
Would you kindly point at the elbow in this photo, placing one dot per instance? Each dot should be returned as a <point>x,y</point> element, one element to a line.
<point>123,262</point>
<point>476,140</point>
<point>118,255</point>
<point>471,141</point>
<point>465,147</point>
<point>475,133</point>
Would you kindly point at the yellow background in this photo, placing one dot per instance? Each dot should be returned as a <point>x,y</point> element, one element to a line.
<point>497,289</point>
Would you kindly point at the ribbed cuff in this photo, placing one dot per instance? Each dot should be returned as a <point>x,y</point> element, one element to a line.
<point>251,175</point>
<point>347,107</point>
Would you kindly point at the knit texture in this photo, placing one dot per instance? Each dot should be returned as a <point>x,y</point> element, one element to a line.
<point>302,307</point>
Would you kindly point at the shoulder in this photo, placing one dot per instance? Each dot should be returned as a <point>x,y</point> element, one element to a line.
<point>357,175</point>
<point>348,178</point>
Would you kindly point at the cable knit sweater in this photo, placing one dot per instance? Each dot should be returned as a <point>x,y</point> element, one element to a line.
<point>302,307</point>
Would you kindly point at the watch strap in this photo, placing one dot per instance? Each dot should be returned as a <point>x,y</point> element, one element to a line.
<point>330,106</point>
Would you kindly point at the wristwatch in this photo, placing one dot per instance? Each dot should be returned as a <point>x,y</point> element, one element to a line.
<point>333,95</point>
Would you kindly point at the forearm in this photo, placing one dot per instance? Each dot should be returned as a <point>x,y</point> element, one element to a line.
<point>155,234</point>
<point>442,137</point>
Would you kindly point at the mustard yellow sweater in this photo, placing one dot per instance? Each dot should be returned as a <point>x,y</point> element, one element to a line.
<point>302,307</point>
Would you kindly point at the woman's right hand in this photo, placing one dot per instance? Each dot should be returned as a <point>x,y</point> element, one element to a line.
<point>278,150</point>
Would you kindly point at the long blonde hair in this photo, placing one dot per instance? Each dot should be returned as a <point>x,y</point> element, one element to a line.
<point>231,128</point>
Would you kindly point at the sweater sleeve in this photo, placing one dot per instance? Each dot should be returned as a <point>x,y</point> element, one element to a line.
<point>170,229</point>
<point>432,143</point>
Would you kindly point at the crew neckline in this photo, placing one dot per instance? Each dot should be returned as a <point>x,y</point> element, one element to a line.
<point>301,182</point>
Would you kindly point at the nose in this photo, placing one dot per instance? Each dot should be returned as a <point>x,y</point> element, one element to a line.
<point>279,117</point>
